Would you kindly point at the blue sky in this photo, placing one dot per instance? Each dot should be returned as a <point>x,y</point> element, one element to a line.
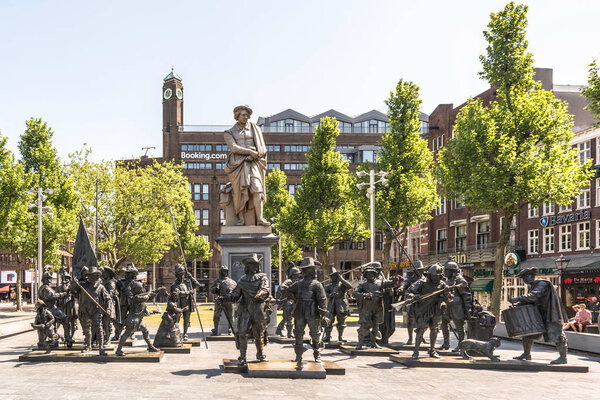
<point>94,70</point>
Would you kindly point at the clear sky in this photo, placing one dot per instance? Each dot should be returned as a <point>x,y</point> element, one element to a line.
<point>93,69</point>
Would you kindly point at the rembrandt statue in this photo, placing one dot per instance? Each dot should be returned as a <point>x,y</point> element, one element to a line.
<point>246,166</point>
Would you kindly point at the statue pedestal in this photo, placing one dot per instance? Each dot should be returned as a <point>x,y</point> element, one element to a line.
<point>237,242</point>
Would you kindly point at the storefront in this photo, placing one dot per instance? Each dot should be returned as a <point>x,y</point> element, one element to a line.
<point>580,285</point>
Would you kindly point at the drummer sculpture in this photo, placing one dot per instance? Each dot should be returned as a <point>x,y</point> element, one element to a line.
<point>541,293</point>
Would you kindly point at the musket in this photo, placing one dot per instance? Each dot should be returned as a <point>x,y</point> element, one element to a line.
<point>398,306</point>
<point>98,304</point>
<point>393,233</point>
<point>235,336</point>
<point>187,273</point>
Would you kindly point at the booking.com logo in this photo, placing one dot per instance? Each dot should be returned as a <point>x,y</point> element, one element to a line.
<point>203,156</point>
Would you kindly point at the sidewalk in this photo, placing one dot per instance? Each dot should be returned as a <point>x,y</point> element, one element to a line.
<point>185,376</point>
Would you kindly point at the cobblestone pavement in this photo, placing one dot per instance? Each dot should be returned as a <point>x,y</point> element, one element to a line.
<point>198,375</point>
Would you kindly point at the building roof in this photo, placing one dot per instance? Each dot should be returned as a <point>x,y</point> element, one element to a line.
<point>172,75</point>
<point>293,114</point>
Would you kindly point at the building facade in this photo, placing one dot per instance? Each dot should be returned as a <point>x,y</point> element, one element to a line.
<point>288,134</point>
<point>539,234</point>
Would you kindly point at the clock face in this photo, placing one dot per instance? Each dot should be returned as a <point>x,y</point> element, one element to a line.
<point>168,93</point>
<point>179,94</point>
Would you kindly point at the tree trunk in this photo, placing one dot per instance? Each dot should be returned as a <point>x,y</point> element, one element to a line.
<point>325,261</point>
<point>18,293</point>
<point>387,255</point>
<point>499,264</point>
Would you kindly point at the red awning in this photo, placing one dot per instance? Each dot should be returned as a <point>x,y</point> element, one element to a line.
<point>4,289</point>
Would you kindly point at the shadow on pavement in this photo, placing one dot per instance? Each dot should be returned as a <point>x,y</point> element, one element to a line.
<point>208,372</point>
<point>384,365</point>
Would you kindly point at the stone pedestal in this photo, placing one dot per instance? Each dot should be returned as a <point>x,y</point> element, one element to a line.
<point>237,242</point>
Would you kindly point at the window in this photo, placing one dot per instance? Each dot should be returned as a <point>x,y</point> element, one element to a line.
<point>442,236</point>
<point>295,148</point>
<point>513,230</point>
<point>548,208</point>
<point>598,187</point>
<point>272,166</point>
<point>533,241</point>
<point>437,143</point>
<point>566,208</point>
<point>197,147</point>
<point>368,156</point>
<point>198,214</point>
<point>221,216</point>
<point>458,204</point>
<point>221,147</point>
<point>273,148</point>
<point>343,245</point>
<point>461,238</point>
<point>378,241</point>
<point>197,165</point>
<point>197,192</point>
<point>532,211</point>
<point>583,236</point>
<point>205,191</point>
<point>441,208</point>
<point>483,234</point>
<point>565,238</point>
<point>598,234</point>
<point>348,157</point>
<point>424,127</point>
<point>345,127</point>
<point>549,240</point>
<point>583,199</point>
<point>220,165</point>
<point>292,190</point>
<point>584,151</point>
<point>204,217</point>
<point>294,166</point>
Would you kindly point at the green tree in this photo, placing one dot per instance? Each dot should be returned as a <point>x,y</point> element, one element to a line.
<point>39,157</point>
<point>324,209</point>
<point>134,209</point>
<point>16,221</point>
<point>278,200</point>
<point>517,150</point>
<point>410,195</point>
<point>592,91</point>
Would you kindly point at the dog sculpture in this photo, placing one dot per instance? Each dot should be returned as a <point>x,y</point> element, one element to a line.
<point>470,347</point>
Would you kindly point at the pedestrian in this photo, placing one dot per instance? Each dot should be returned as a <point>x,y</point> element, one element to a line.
<point>593,306</point>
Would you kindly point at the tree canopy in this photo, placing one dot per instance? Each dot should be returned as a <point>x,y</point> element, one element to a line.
<point>592,91</point>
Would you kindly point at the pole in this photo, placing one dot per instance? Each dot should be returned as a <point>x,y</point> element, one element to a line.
<point>280,277</point>
<point>96,219</point>
<point>372,210</point>
<point>39,268</point>
<point>153,276</point>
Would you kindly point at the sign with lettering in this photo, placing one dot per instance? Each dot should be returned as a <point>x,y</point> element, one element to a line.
<point>565,219</point>
<point>194,155</point>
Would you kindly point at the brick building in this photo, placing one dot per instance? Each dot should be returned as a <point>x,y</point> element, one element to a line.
<point>470,237</point>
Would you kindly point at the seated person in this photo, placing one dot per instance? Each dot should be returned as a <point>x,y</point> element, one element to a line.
<point>570,324</point>
<point>584,317</point>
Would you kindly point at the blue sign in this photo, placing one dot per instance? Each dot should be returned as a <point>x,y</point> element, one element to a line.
<point>566,218</point>
<point>544,222</point>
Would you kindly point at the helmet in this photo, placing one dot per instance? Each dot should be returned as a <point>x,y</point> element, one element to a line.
<point>46,275</point>
<point>450,265</point>
<point>137,288</point>
<point>179,269</point>
<point>418,264</point>
<point>84,271</point>
<point>40,303</point>
<point>293,271</point>
<point>436,269</point>
<point>224,268</point>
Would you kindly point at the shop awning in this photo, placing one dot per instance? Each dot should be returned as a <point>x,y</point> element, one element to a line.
<point>482,285</point>
<point>4,289</point>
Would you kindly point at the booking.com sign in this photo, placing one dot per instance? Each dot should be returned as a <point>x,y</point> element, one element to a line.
<point>193,155</point>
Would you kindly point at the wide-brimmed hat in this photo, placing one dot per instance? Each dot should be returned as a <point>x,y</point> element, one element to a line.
<point>109,269</point>
<point>309,262</point>
<point>252,259</point>
<point>129,268</point>
<point>224,268</point>
<point>333,271</point>
<point>527,271</point>
<point>94,270</point>
<point>40,303</point>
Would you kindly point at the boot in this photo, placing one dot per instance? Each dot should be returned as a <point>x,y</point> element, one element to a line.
<point>432,338</point>
<point>360,344</point>
<point>433,353</point>
<point>278,332</point>
<point>374,344</point>
<point>418,339</point>
<point>317,355</point>
<point>341,335</point>
<point>562,351</point>
<point>327,337</point>
<point>526,356</point>
<point>445,346</point>
<point>260,356</point>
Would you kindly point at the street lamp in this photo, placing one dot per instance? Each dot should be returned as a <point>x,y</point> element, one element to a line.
<point>39,205</point>
<point>371,196</point>
<point>561,264</point>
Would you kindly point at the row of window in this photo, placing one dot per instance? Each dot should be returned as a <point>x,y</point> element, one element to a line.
<point>582,201</point>
<point>460,237</point>
<point>203,165</point>
<point>204,147</point>
<point>565,238</point>
<point>369,126</point>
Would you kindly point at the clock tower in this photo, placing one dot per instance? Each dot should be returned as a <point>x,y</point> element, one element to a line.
<point>172,95</point>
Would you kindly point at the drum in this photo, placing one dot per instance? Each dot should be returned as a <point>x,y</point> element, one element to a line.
<point>479,332</point>
<point>523,321</point>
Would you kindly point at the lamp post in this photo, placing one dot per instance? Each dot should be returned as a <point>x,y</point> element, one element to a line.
<point>561,264</point>
<point>371,197</point>
<point>40,209</point>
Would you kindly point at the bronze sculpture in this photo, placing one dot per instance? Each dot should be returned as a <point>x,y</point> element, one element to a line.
<point>542,294</point>
<point>135,318</point>
<point>51,297</point>
<point>470,347</point>
<point>168,334</point>
<point>124,294</point>
<point>110,284</point>
<point>458,309</point>
<point>185,284</point>
<point>246,167</point>
<point>428,297</point>
<point>411,277</point>
<point>44,324</point>
<point>311,308</point>
<point>337,304</point>
<point>93,299</point>
<point>287,303</point>
<point>251,292</point>
<point>370,294</point>
<point>222,286</point>
<point>68,304</point>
